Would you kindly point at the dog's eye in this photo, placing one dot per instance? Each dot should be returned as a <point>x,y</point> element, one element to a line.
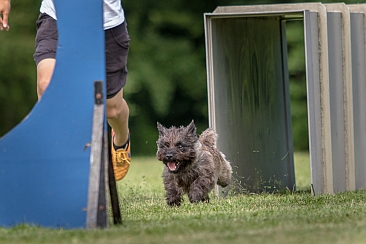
<point>164,145</point>
<point>181,148</point>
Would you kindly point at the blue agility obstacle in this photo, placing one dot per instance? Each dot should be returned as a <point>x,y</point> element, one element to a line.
<point>45,160</point>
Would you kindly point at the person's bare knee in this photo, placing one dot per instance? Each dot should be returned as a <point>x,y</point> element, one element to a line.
<point>117,106</point>
<point>113,109</point>
<point>45,70</point>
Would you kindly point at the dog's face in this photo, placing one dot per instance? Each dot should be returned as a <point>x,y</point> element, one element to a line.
<point>177,146</point>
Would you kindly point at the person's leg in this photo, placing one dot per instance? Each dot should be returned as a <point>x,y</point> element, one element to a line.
<point>45,52</point>
<point>45,70</point>
<point>117,114</point>
<point>117,45</point>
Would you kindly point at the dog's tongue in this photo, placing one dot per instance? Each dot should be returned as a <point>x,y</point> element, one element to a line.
<point>172,166</point>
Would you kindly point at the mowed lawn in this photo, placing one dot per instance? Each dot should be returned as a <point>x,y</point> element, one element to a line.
<point>247,218</point>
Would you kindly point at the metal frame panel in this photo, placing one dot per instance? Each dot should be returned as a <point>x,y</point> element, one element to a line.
<point>249,104</point>
<point>358,39</point>
<point>330,87</point>
<point>341,95</point>
<point>313,83</point>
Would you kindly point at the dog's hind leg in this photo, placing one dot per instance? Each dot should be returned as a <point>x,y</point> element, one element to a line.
<point>225,174</point>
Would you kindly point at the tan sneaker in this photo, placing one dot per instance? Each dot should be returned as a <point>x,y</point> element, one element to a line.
<point>121,159</point>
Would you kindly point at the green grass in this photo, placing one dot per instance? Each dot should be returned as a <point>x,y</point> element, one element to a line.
<point>252,218</point>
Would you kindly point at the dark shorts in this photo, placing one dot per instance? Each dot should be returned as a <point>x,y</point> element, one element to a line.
<point>117,42</point>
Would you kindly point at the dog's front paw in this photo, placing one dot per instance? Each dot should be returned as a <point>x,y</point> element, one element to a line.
<point>173,196</point>
<point>206,199</point>
<point>195,197</point>
<point>174,202</point>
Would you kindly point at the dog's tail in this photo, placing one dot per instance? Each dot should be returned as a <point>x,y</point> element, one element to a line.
<point>208,137</point>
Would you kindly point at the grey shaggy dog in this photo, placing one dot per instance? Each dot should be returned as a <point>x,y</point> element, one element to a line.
<point>193,165</point>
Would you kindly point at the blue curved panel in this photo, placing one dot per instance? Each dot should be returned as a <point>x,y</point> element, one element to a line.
<point>44,167</point>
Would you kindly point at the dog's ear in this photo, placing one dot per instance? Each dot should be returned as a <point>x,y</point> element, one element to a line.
<point>161,128</point>
<point>191,128</point>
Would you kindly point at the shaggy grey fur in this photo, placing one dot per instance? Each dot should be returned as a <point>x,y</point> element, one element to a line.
<point>193,165</point>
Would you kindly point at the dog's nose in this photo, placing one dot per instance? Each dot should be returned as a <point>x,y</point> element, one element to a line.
<point>169,156</point>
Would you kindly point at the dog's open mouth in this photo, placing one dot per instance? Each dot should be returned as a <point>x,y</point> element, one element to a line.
<point>173,166</point>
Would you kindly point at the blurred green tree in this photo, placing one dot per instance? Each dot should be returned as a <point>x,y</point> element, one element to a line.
<point>167,67</point>
<point>17,69</point>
